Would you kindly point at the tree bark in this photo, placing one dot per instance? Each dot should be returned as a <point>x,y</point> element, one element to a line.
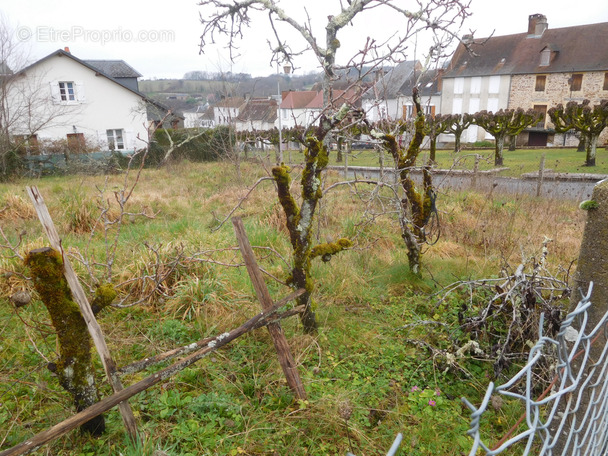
<point>74,367</point>
<point>498,156</point>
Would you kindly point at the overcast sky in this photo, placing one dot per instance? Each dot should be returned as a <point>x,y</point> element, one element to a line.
<point>161,39</point>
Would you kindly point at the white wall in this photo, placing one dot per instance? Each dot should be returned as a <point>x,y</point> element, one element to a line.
<point>101,105</point>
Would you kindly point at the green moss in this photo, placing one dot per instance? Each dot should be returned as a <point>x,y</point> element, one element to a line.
<point>104,296</point>
<point>74,367</point>
<point>589,205</point>
<point>326,250</point>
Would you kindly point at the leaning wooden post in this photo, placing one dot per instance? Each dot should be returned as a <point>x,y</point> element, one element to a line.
<point>81,299</point>
<point>107,403</point>
<point>276,332</point>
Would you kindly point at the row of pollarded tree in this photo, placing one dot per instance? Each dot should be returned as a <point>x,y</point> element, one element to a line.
<point>588,121</point>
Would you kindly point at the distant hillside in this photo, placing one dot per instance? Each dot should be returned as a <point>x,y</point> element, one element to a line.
<point>255,87</point>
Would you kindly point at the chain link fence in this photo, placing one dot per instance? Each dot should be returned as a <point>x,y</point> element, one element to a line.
<point>570,416</point>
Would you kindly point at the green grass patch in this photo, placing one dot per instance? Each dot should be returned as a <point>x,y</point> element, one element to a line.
<point>365,379</point>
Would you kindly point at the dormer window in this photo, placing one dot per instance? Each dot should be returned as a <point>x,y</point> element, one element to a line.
<point>545,57</point>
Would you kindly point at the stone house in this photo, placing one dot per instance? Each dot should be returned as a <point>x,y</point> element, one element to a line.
<point>537,69</point>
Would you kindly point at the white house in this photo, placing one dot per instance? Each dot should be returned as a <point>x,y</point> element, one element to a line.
<point>386,97</point>
<point>199,117</point>
<point>76,100</point>
<point>300,108</point>
<point>257,114</point>
<point>227,110</point>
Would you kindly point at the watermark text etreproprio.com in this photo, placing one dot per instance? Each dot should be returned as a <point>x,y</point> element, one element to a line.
<point>46,34</point>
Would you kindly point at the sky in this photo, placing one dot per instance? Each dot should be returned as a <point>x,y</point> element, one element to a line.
<point>161,39</point>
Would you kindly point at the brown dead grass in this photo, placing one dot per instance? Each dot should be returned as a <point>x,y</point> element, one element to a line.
<point>14,207</point>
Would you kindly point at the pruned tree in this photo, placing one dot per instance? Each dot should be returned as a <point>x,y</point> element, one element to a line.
<point>433,127</point>
<point>504,123</point>
<point>416,209</point>
<point>300,217</point>
<point>456,124</point>
<point>228,20</point>
<point>588,121</point>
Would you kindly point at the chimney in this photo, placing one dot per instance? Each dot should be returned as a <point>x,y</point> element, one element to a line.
<point>467,39</point>
<point>67,49</point>
<point>537,24</point>
<point>440,72</point>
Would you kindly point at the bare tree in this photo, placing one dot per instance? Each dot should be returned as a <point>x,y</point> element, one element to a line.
<point>24,103</point>
<point>228,21</point>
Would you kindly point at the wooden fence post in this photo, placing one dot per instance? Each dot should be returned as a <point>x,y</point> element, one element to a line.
<point>85,308</point>
<point>276,332</point>
<point>541,175</point>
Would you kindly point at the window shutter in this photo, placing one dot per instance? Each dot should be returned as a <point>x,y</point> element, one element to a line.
<point>130,140</point>
<point>404,112</point>
<point>79,86</point>
<point>433,112</point>
<point>55,95</point>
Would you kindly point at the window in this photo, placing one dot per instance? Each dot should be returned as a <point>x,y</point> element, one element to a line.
<point>494,84</point>
<point>76,143</point>
<point>605,81</point>
<point>409,111</point>
<point>476,85</point>
<point>540,83</point>
<point>27,144</point>
<point>458,85</point>
<point>545,57</point>
<point>543,110</point>
<point>66,91</point>
<point>115,139</point>
<point>492,105</point>
<point>457,106</point>
<point>576,82</point>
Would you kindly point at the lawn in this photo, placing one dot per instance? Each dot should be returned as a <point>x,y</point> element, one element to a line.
<point>518,162</point>
<point>365,379</point>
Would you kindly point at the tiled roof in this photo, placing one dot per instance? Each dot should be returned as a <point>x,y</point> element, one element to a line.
<point>577,48</point>
<point>306,99</point>
<point>312,99</point>
<point>427,83</point>
<point>389,85</point>
<point>114,68</point>
<point>264,110</point>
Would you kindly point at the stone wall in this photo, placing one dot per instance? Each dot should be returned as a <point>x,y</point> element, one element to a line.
<point>557,90</point>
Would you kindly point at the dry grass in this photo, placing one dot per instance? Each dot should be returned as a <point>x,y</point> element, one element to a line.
<point>14,207</point>
<point>361,295</point>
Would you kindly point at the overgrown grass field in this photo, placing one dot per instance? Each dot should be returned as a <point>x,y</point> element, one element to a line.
<point>366,381</point>
<point>518,162</point>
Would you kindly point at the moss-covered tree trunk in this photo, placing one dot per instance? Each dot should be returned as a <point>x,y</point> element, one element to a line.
<point>498,149</point>
<point>457,145</point>
<point>300,218</point>
<point>591,149</point>
<point>74,367</point>
<point>416,208</point>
